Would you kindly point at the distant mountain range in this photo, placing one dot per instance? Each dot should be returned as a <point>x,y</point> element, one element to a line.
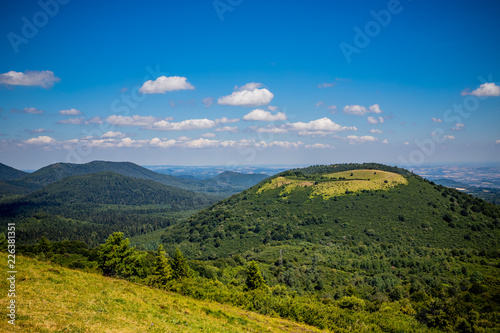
<point>17,182</point>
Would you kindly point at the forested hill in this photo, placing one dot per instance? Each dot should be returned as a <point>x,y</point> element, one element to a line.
<point>9,173</point>
<point>114,189</point>
<point>357,203</point>
<point>57,171</point>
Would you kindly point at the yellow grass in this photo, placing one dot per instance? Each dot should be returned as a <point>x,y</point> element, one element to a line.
<point>359,181</point>
<point>55,299</point>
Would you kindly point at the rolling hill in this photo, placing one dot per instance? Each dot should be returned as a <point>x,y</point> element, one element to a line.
<point>90,207</point>
<point>361,203</point>
<point>9,173</point>
<point>221,186</point>
<point>88,302</point>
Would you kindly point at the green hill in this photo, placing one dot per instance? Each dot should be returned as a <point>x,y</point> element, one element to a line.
<point>90,207</point>
<point>9,173</point>
<point>237,180</point>
<point>51,298</point>
<point>356,204</point>
<point>222,186</point>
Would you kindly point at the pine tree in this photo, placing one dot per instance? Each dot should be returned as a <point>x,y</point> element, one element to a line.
<point>254,277</point>
<point>180,268</point>
<point>163,272</point>
<point>116,256</point>
<point>44,246</point>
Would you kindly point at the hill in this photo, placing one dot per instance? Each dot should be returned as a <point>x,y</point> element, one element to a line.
<point>49,174</point>
<point>336,203</point>
<point>51,298</point>
<point>9,173</point>
<point>90,207</point>
<point>486,193</point>
<point>236,179</point>
<point>109,188</point>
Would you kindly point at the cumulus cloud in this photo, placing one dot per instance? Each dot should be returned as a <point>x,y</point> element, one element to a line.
<point>270,129</point>
<point>458,127</point>
<point>208,101</point>
<point>262,115</point>
<point>352,139</point>
<point>321,126</point>
<point>94,120</point>
<point>27,110</point>
<point>41,140</point>
<point>73,121</point>
<point>437,120</point>
<point>385,141</point>
<point>225,120</point>
<point>376,131</point>
<point>486,89</point>
<point>497,142</point>
<point>112,134</point>
<point>319,103</point>
<point>70,112</point>
<point>163,84</point>
<point>190,124</point>
<point>272,108</point>
<point>449,137</point>
<point>250,95</point>
<point>406,143</point>
<point>360,110</point>
<point>208,135</point>
<point>44,79</point>
<point>39,131</point>
<point>373,120</point>
<point>227,129</point>
<point>319,146</point>
<point>332,108</point>
<point>134,120</point>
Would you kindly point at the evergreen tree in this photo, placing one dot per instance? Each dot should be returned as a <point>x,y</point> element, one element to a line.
<point>116,256</point>
<point>254,277</point>
<point>162,272</point>
<point>44,246</point>
<point>180,268</point>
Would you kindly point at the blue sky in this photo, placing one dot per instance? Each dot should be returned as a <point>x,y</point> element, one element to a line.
<point>238,82</point>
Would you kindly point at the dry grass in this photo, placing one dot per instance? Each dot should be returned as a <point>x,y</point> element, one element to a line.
<point>56,299</point>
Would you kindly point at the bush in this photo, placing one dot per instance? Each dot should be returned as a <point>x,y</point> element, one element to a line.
<point>352,303</point>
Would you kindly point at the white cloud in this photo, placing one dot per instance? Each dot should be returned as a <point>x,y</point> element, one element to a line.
<point>375,108</point>
<point>486,89</point>
<point>171,103</point>
<point>373,120</point>
<point>135,120</point>
<point>248,95</point>
<point>208,135</point>
<point>163,84</point>
<point>376,131</point>
<point>269,129</point>
<point>27,110</point>
<point>359,110</point>
<point>319,103</point>
<point>227,129</point>
<point>41,140</point>
<point>261,115</point>
<point>497,142</point>
<point>225,120</point>
<point>44,79</point>
<point>321,126</point>
<point>70,112</point>
<point>202,143</point>
<point>190,124</point>
<point>385,141</point>
<point>94,120</point>
<point>332,108</point>
<point>272,108</point>
<point>449,137</point>
<point>458,127</point>
<point>360,139</point>
<point>73,121</point>
<point>112,134</point>
<point>319,146</point>
<point>39,131</point>
<point>406,143</point>
<point>208,101</point>
<point>437,120</point>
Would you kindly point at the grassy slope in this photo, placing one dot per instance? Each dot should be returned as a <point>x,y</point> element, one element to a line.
<point>56,299</point>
